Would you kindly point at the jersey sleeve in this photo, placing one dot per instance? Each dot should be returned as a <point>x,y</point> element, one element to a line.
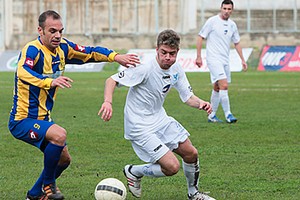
<point>236,36</point>
<point>28,70</point>
<point>130,76</point>
<point>78,54</point>
<point>205,30</point>
<point>183,86</point>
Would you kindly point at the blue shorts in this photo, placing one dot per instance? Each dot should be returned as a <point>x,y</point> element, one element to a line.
<point>31,131</point>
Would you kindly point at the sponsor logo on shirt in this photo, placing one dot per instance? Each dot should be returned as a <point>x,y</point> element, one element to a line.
<point>190,88</point>
<point>29,62</point>
<point>54,75</point>
<point>55,62</point>
<point>121,74</point>
<point>79,48</point>
<point>166,77</point>
<point>166,88</point>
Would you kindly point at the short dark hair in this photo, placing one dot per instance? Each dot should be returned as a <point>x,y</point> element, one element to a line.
<point>45,15</point>
<point>227,2</point>
<point>168,37</point>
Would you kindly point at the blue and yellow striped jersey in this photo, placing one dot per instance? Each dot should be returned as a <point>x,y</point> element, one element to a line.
<point>37,67</point>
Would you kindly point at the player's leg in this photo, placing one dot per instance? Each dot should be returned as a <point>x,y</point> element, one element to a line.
<point>216,73</point>
<point>224,97</point>
<point>190,164</point>
<point>53,153</point>
<point>33,132</point>
<point>191,169</point>
<point>150,150</point>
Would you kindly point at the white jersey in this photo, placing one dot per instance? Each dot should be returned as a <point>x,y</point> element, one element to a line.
<point>219,33</point>
<point>149,86</point>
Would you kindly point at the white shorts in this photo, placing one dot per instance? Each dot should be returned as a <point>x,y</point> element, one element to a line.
<point>155,145</point>
<point>219,71</point>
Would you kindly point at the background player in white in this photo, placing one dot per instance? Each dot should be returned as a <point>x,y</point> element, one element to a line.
<point>219,31</point>
<point>155,135</point>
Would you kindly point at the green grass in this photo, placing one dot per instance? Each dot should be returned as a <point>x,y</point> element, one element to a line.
<point>256,158</point>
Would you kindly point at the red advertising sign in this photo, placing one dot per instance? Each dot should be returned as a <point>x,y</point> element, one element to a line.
<point>280,58</point>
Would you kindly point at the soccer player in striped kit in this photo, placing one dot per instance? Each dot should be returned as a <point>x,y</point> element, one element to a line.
<point>39,74</point>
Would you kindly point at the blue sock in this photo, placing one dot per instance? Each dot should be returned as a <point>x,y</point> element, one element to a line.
<point>51,157</point>
<point>36,190</point>
<point>60,169</point>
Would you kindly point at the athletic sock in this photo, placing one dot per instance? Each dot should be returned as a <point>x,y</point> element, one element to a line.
<point>36,190</point>
<point>224,98</point>
<point>51,157</point>
<point>191,172</point>
<point>215,101</point>
<point>60,169</point>
<point>151,170</point>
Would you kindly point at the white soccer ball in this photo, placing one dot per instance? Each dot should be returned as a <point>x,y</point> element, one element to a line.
<point>110,189</point>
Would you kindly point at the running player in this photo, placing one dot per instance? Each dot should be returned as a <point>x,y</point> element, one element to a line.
<point>153,134</point>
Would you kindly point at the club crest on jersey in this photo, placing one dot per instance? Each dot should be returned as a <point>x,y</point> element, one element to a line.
<point>121,74</point>
<point>79,48</point>
<point>33,135</point>
<point>175,77</point>
<point>29,62</point>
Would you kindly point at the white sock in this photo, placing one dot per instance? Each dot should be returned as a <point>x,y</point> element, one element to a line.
<point>224,98</point>
<point>214,100</point>
<point>191,172</point>
<point>151,170</point>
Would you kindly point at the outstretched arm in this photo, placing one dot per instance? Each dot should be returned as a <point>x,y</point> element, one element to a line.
<point>198,103</point>
<point>106,108</point>
<point>127,60</point>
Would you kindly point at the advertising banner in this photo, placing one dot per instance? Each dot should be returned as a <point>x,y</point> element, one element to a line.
<point>280,58</point>
<point>9,59</point>
<point>187,57</point>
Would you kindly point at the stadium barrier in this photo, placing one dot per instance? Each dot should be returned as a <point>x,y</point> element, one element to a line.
<point>279,58</point>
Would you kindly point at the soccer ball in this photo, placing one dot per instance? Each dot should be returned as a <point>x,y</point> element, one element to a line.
<point>110,189</point>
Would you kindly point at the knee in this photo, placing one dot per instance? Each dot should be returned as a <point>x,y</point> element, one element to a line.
<point>57,136</point>
<point>173,169</point>
<point>192,156</point>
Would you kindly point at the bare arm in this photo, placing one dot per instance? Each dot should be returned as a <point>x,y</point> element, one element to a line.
<point>106,108</point>
<point>198,103</point>
<point>240,52</point>
<point>199,48</point>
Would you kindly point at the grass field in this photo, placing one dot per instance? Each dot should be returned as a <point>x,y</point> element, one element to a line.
<point>256,158</point>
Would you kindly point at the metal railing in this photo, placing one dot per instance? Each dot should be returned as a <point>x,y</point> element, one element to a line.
<point>147,16</point>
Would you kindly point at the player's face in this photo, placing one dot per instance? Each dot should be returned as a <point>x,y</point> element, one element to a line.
<point>52,33</point>
<point>226,11</point>
<point>166,56</point>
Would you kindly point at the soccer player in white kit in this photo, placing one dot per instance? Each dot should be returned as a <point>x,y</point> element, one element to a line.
<point>219,31</point>
<point>155,135</point>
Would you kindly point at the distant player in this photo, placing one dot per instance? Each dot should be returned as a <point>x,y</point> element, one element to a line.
<point>220,31</point>
<point>39,74</point>
<point>153,134</point>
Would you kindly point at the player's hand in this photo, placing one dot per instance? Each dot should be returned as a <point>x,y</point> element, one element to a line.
<point>205,106</point>
<point>106,110</point>
<point>127,60</point>
<point>199,62</point>
<point>62,82</point>
<point>245,66</point>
